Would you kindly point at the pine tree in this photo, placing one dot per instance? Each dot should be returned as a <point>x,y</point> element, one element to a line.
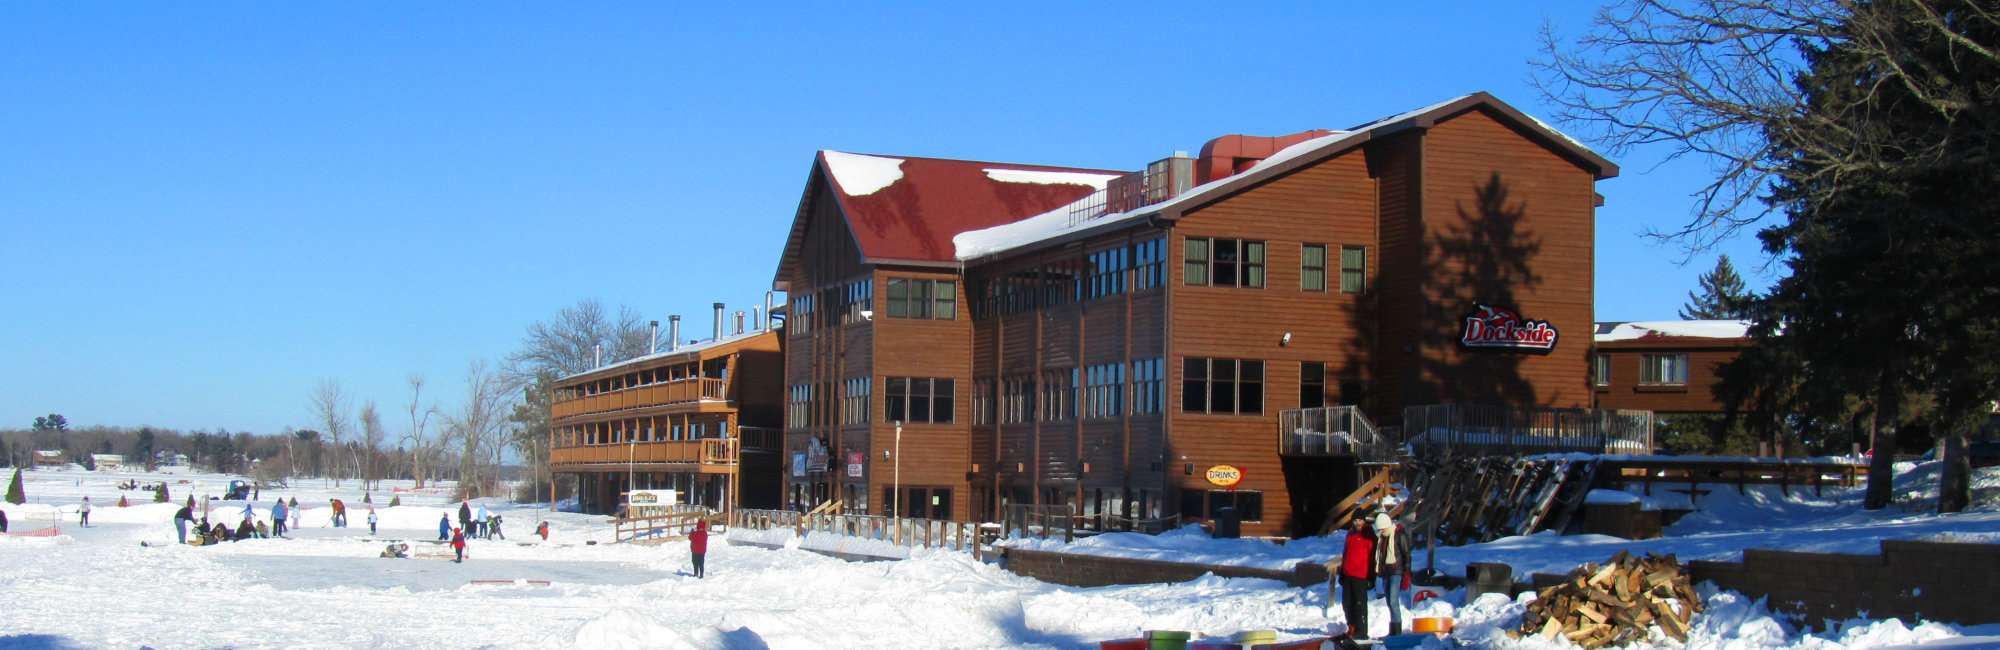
<point>160,495</point>
<point>1722,295</point>
<point>14,493</point>
<point>395,501</point>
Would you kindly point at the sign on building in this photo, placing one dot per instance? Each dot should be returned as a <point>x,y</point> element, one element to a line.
<point>854,461</point>
<point>1488,327</point>
<point>1224,476</point>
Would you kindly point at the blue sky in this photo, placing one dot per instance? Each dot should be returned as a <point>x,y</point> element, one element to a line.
<point>206,209</point>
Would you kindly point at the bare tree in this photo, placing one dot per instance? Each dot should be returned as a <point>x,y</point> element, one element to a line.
<point>478,426</point>
<point>330,405</point>
<point>371,442</point>
<point>568,343</point>
<point>423,447</point>
<point>1713,80</point>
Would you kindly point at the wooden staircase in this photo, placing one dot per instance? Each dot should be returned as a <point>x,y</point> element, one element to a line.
<point>1376,488</point>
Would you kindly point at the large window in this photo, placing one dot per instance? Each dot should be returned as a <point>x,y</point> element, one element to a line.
<point>800,319</point>
<point>917,400</point>
<point>1664,369</point>
<point>1312,267</point>
<point>1222,386</point>
<point>1106,395</point>
<point>923,299</point>
<point>1600,369</point>
<point>1312,384</point>
<point>983,401</point>
<point>860,297</point>
<point>1107,272</point>
<point>1146,263</point>
<point>1019,400</point>
<point>1223,262</point>
<point>1353,269</point>
<point>798,406</point>
<point>1203,504</point>
<point>1146,387</point>
<point>1058,394</point>
<point>854,400</point>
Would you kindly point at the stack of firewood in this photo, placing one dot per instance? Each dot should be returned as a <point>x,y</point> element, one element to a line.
<point>1615,604</point>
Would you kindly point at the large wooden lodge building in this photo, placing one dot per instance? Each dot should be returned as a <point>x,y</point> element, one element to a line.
<point>988,335</point>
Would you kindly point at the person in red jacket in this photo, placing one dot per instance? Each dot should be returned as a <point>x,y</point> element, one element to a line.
<point>698,544</point>
<point>458,544</point>
<point>1357,572</point>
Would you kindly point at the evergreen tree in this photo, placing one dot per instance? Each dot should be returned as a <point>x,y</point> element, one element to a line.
<point>1722,295</point>
<point>15,495</point>
<point>395,501</point>
<point>160,495</point>
<point>52,422</point>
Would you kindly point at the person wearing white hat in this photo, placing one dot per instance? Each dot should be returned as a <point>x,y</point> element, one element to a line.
<point>1392,563</point>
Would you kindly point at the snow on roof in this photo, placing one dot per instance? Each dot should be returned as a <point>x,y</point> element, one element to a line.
<point>1701,329</point>
<point>1056,223</point>
<point>1039,177</point>
<point>862,175</point>
<point>685,349</point>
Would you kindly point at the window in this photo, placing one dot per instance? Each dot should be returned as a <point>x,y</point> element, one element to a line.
<point>1146,263</point>
<point>982,402</point>
<point>917,400</point>
<point>1146,387</point>
<point>923,299</point>
<point>1249,505</point>
<point>798,407</point>
<point>1312,384</point>
<point>1106,397</point>
<point>1600,370</point>
<point>1353,269</point>
<point>860,297</point>
<point>1222,386</point>
<point>1664,370</point>
<point>1194,262</point>
<point>799,321</point>
<point>1058,395</point>
<point>1020,400</point>
<point>854,400</point>
<point>1223,262</point>
<point>1312,267</point>
<point>1107,272</point>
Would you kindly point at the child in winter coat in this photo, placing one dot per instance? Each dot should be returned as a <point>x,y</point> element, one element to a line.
<point>83,513</point>
<point>371,521</point>
<point>444,527</point>
<point>458,544</point>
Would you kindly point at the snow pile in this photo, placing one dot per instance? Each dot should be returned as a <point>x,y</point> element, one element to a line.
<point>1190,544</point>
<point>1705,329</point>
<point>1041,177</point>
<point>1610,498</point>
<point>862,175</point>
<point>853,546</point>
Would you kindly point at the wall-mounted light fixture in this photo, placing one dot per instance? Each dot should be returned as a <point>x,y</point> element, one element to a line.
<point>1285,340</point>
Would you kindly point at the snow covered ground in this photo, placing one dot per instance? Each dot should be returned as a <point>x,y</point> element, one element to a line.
<point>326,588</point>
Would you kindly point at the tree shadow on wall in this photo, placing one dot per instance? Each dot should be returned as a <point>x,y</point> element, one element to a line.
<point>1485,256</point>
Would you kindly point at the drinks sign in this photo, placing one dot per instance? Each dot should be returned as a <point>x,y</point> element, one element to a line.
<point>1224,476</point>
<point>1498,328</point>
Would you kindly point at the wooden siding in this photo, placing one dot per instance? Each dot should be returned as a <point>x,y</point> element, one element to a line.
<point>1507,222</point>
<point>1333,203</point>
<point>934,455</point>
<point>1697,396</point>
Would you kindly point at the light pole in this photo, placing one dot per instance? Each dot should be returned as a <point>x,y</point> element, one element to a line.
<point>631,457</point>
<point>896,501</point>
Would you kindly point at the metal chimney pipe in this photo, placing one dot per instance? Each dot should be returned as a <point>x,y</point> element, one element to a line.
<point>673,332</point>
<point>768,297</point>
<point>739,322</point>
<point>597,356</point>
<point>653,338</point>
<point>757,319</point>
<point>718,321</point>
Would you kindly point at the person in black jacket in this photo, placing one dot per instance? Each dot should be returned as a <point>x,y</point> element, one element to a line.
<point>465,516</point>
<point>182,518</point>
<point>1392,564</point>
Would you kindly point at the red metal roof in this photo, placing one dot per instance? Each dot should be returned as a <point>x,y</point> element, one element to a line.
<point>914,218</point>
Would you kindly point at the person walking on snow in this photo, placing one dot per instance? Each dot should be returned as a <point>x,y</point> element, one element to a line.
<point>479,523</point>
<point>278,519</point>
<point>339,514</point>
<point>458,544</point>
<point>444,527</point>
<point>493,528</point>
<point>1392,563</point>
<point>465,515</point>
<point>698,545</point>
<point>371,520</point>
<point>293,508</point>
<point>83,513</point>
<point>1357,570</point>
<point>182,518</point>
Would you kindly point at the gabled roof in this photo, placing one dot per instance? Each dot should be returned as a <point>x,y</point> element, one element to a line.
<point>905,210</point>
<point>682,354</point>
<point>1054,226</point>
<point>1674,331</point>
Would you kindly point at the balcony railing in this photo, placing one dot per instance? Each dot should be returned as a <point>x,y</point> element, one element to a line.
<point>707,451</point>
<point>761,438</point>
<point>1497,429</point>
<point>1332,431</point>
<point>1163,179</point>
<point>679,391</point>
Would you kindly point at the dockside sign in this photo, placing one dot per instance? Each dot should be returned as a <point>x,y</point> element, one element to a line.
<point>1498,328</point>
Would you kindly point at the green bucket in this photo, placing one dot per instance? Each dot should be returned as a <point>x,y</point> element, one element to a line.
<point>1249,638</point>
<point>1167,639</point>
